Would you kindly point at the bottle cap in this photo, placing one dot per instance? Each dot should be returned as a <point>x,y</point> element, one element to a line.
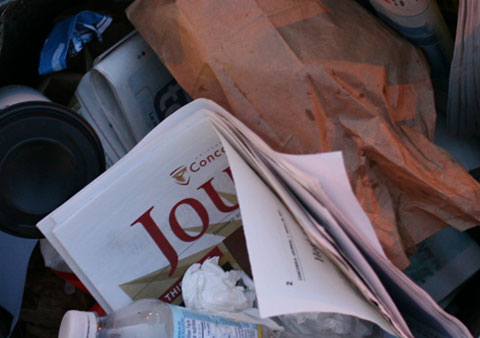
<point>78,324</point>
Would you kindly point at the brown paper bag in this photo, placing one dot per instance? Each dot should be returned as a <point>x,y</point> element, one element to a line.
<point>323,75</point>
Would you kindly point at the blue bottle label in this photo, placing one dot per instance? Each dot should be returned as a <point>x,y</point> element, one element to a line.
<point>190,324</point>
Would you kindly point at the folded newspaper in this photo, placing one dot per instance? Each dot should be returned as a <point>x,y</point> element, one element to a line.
<point>126,94</point>
<point>463,108</point>
<point>171,201</point>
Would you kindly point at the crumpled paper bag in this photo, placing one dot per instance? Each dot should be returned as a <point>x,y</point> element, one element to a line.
<point>323,75</point>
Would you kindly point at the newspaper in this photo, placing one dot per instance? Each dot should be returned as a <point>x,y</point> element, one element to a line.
<point>288,263</point>
<point>126,94</point>
<point>397,297</point>
<point>443,262</point>
<point>463,109</point>
<point>311,247</point>
<point>134,231</point>
<point>422,23</point>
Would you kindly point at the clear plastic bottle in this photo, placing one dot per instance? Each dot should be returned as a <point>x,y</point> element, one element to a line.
<point>149,318</point>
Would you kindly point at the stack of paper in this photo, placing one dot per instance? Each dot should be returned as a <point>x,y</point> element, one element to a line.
<point>311,247</point>
<point>463,109</point>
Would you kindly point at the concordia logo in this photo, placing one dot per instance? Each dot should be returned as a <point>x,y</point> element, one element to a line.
<point>179,175</point>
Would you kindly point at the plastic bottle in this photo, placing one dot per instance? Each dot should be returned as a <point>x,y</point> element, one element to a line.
<point>149,318</point>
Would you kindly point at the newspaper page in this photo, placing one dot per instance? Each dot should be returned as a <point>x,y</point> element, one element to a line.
<point>139,234</point>
<point>129,162</point>
<point>291,273</point>
<point>413,303</point>
<point>361,273</point>
<point>411,300</point>
<point>463,109</point>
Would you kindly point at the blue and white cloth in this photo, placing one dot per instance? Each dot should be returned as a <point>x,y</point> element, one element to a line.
<point>68,37</point>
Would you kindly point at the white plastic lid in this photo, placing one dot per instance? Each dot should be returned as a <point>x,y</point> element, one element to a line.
<point>78,324</point>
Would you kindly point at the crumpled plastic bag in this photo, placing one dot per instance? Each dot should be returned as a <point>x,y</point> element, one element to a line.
<point>332,325</point>
<point>323,75</point>
<point>68,38</point>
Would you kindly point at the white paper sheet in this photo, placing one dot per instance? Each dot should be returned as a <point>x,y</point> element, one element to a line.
<point>330,171</point>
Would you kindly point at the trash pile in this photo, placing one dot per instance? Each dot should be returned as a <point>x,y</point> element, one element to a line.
<point>227,169</point>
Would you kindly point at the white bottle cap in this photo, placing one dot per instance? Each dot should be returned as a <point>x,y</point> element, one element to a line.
<point>78,324</point>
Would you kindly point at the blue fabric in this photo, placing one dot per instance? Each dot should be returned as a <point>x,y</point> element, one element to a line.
<point>68,37</point>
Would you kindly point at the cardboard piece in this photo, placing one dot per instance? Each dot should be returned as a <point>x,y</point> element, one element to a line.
<point>316,76</point>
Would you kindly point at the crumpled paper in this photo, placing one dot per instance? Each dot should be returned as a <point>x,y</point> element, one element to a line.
<point>321,75</point>
<point>207,288</point>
